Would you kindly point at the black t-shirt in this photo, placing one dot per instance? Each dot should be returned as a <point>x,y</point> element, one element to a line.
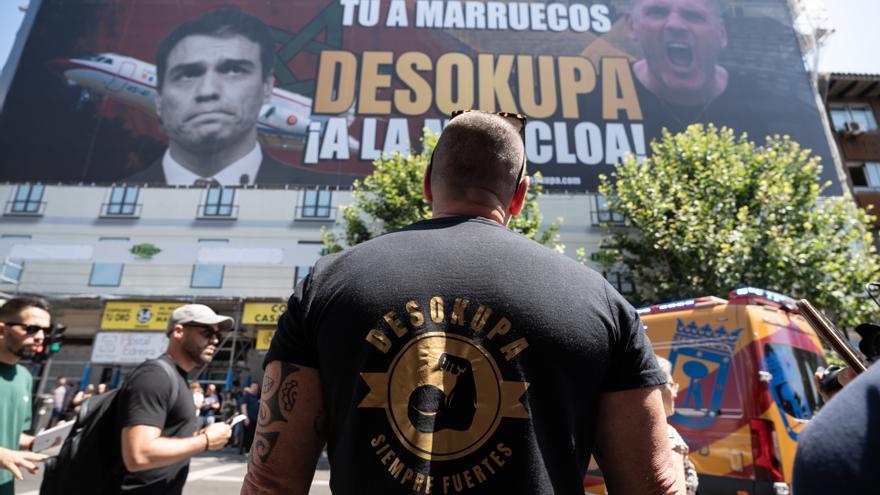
<point>457,356</point>
<point>734,108</point>
<point>839,451</point>
<point>747,105</point>
<point>145,399</point>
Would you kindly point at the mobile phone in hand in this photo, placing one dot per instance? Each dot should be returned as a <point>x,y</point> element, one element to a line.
<point>238,418</point>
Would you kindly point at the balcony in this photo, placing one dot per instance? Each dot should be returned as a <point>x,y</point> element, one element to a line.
<point>20,208</point>
<point>121,210</point>
<point>316,213</point>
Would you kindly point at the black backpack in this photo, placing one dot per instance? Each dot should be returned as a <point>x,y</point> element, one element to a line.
<point>90,460</point>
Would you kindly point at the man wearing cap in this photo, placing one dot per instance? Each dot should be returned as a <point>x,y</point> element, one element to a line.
<point>159,431</point>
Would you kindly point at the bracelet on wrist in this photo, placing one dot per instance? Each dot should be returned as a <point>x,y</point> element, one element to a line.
<point>207,442</point>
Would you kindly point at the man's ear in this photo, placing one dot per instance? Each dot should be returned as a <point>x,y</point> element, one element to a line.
<point>158,101</point>
<point>176,332</point>
<point>630,28</point>
<point>268,85</point>
<point>519,197</point>
<point>426,185</point>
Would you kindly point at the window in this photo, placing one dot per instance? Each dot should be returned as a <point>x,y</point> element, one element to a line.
<point>28,199</point>
<point>865,174</point>
<point>604,214</point>
<point>219,203</point>
<point>208,276</point>
<point>844,115</point>
<point>316,204</point>
<point>106,275</point>
<point>792,385</point>
<point>300,274</point>
<point>620,280</point>
<point>11,269</point>
<point>123,201</point>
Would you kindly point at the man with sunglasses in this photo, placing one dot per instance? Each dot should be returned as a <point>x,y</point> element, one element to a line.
<point>24,323</point>
<point>159,432</point>
<point>455,356</point>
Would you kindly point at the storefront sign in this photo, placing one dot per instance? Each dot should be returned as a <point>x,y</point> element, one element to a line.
<point>127,347</point>
<point>264,338</point>
<point>137,315</point>
<point>262,313</point>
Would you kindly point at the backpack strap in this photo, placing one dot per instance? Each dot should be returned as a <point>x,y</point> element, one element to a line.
<point>173,375</point>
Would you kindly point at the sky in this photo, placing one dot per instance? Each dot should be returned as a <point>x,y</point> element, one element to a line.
<point>10,18</point>
<point>852,48</point>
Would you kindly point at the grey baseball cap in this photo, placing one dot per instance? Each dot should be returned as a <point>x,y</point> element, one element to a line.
<point>201,314</point>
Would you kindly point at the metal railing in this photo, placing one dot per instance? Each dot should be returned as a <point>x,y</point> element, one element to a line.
<point>316,213</point>
<point>599,217</point>
<point>25,208</point>
<point>215,211</point>
<point>122,210</point>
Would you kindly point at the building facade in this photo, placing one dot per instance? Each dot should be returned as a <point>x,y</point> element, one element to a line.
<point>99,252</point>
<point>853,103</point>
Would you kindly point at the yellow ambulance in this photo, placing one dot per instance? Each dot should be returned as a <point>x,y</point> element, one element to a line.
<point>745,368</point>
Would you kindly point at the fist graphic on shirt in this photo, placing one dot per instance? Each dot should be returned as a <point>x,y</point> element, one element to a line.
<point>452,404</point>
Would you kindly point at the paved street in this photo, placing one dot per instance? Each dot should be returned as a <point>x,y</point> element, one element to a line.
<point>209,474</point>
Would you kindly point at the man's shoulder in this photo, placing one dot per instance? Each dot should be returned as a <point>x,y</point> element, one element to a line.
<point>458,235</point>
<point>153,174</point>
<point>23,374</point>
<point>151,373</point>
<point>272,171</point>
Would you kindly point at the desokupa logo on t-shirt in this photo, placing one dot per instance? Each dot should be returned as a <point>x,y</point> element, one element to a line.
<point>443,393</point>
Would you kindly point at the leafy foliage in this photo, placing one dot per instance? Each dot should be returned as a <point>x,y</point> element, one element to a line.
<point>391,198</point>
<point>709,212</point>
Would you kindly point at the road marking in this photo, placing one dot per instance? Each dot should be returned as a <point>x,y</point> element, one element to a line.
<point>238,479</point>
<point>204,473</point>
<point>227,479</point>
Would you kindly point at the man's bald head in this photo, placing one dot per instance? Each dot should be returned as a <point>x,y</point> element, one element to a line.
<point>478,151</point>
<point>718,6</point>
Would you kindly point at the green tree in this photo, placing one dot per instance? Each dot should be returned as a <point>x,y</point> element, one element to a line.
<point>391,198</point>
<point>710,212</point>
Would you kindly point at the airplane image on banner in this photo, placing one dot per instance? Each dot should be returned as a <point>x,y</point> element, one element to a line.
<point>283,122</point>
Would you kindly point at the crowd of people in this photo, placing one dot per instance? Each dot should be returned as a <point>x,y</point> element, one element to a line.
<point>332,377</point>
<point>453,355</point>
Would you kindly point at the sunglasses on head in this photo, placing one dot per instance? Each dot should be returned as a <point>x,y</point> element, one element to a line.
<point>519,123</point>
<point>29,329</point>
<point>207,330</point>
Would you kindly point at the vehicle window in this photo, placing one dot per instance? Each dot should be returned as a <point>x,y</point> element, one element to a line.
<point>792,385</point>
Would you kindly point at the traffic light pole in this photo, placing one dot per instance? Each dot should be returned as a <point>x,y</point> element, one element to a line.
<point>44,376</point>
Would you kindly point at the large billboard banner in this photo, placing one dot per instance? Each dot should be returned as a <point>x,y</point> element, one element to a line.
<point>274,92</point>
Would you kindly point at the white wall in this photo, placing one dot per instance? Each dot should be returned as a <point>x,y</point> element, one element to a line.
<point>168,218</point>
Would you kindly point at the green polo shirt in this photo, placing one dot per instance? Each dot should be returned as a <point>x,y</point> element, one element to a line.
<point>15,412</point>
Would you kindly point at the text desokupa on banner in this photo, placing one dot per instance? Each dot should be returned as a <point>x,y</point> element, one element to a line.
<point>271,93</point>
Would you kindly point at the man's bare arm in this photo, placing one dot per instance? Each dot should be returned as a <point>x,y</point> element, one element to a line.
<point>144,448</point>
<point>290,431</point>
<point>635,455</point>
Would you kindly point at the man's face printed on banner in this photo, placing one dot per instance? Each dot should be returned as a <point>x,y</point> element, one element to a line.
<point>681,41</point>
<point>213,92</point>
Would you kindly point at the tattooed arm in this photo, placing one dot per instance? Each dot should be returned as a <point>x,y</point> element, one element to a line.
<point>290,431</point>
